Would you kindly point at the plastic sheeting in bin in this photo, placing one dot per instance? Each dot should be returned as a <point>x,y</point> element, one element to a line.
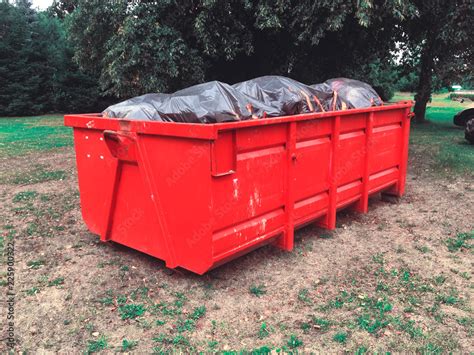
<point>210,102</point>
<point>352,93</point>
<point>266,96</point>
<point>288,96</point>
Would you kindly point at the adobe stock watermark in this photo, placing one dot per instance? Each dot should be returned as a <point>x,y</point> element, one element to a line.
<point>126,224</point>
<point>356,158</point>
<point>193,155</point>
<point>10,290</point>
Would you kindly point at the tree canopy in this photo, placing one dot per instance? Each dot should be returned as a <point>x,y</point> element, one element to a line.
<point>36,68</point>
<point>440,37</point>
<point>144,46</point>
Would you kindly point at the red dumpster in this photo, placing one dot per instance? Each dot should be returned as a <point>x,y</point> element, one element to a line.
<point>199,195</point>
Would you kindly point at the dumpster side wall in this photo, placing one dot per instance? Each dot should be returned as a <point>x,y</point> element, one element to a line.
<point>292,173</point>
<point>199,201</point>
<point>157,202</point>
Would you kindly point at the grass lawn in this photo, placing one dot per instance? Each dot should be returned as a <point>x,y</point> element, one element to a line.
<point>440,138</point>
<point>21,135</point>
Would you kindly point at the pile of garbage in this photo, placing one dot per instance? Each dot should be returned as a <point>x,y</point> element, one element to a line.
<point>266,96</point>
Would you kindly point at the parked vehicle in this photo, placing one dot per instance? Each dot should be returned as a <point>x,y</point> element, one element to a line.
<point>461,118</point>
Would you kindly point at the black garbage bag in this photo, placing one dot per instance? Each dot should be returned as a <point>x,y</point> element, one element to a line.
<point>350,93</point>
<point>469,131</point>
<point>334,102</point>
<point>266,96</point>
<point>210,102</point>
<point>287,96</point>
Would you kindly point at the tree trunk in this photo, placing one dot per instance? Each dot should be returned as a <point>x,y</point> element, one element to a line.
<point>423,93</point>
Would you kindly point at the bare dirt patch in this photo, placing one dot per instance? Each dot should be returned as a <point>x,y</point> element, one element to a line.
<point>381,281</point>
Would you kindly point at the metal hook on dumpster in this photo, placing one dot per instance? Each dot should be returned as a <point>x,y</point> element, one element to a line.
<point>121,145</point>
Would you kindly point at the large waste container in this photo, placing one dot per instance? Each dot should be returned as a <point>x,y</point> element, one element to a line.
<point>198,195</point>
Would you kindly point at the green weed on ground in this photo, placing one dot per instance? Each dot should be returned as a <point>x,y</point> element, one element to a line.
<point>340,337</point>
<point>25,196</point>
<point>461,241</point>
<point>35,264</point>
<point>130,311</point>
<point>128,345</point>
<point>294,342</point>
<point>258,290</point>
<point>98,345</point>
<point>37,174</point>
<point>56,282</point>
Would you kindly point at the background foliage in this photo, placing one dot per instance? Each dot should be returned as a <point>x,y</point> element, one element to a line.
<point>36,68</point>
